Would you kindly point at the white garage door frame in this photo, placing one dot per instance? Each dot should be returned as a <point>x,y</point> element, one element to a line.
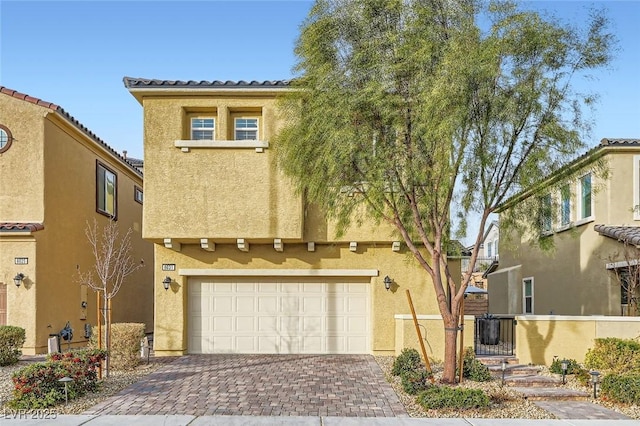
<point>321,326</point>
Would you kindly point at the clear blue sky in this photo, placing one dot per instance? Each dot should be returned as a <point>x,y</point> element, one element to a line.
<point>75,54</point>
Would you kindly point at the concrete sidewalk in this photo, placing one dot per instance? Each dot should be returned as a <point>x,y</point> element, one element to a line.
<point>184,420</point>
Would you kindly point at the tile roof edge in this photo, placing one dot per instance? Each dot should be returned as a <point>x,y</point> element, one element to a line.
<point>133,82</point>
<point>21,226</point>
<point>58,109</point>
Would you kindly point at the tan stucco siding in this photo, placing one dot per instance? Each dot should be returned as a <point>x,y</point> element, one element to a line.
<point>432,333</point>
<point>21,301</point>
<point>171,306</point>
<point>21,166</point>
<point>62,248</point>
<point>220,193</point>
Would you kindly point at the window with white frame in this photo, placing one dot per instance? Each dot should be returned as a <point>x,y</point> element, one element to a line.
<point>527,295</point>
<point>636,187</point>
<point>565,205</point>
<point>546,222</point>
<point>106,190</point>
<point>246,129</point>
<point>137,194</point>
<point>489,247</point>
<point>585,204</point>
<point>203,128</point>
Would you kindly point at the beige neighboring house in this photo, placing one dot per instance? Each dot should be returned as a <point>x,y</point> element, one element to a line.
<point>249,266</point>
<point>55,175</point>
<point>591,219</point>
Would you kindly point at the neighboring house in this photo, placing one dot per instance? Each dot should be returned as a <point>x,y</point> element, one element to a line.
<point>55,176</point>
<point>487,260</point>
<point>588,218</point>
<point>250,267</point>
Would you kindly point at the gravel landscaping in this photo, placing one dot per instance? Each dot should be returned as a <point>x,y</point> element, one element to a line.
<point>506,403</point>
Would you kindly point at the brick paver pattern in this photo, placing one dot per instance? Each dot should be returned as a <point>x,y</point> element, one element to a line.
<point>261,385</point>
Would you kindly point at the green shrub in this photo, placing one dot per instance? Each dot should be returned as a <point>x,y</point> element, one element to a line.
<point>473,369</point>
<point>414,382</point>
<point>408,360</point>
<point>583,377</point>
<point>37,385</point>
<point>125,344</point>
<point>445,397</point>
<point>572,366</point>
<point>614,355</point>
<point>623,388</point>
<point>11,340</point>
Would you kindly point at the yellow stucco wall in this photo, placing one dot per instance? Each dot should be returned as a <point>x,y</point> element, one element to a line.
<point>541,337</point>
<point>432,330</point>
<point>572,278</point>
<point>171,306</point>
<point>49,173</point>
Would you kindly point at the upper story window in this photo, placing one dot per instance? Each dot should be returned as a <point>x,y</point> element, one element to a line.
<point>203,128</point>
<point>546,222</point>
<point>137,194</point>
<point>636,187</point>
<point>584,192</point>
<point>106,190</point>
<point>527,295</point>
<point>246,129</point>
<point>489,249</point>
<point>565,205</point>
<point>5,138</point>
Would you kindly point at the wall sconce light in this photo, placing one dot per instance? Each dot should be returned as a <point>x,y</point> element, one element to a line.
<point>17,280</point>
<point>166,282</point>
<point>565,365</point>
<point>387,282</point>
<point>594,381</point>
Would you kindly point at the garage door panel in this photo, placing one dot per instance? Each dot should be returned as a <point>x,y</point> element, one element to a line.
<point>267,323</point>
<point>221,303</point>
<point>277,316</point>
<point>268,304</point>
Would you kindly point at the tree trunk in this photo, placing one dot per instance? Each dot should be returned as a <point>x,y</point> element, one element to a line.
<point>450,339</point>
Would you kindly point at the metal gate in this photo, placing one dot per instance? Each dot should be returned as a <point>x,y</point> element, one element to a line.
<point>495,335</point>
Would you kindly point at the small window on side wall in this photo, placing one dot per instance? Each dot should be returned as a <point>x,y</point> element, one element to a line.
<point>106,190</point>
<point>527,295</point>
<point>137,194</point>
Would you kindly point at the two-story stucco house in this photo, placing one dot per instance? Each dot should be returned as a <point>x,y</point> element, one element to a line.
<point>55,176</point>
<point>250,267</point>
<point>589,219</point>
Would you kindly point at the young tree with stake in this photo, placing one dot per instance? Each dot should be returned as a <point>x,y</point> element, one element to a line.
<point>113,264</point>
<point>424,109</point>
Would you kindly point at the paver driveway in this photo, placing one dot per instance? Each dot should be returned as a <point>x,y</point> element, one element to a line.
<point>265,385</point>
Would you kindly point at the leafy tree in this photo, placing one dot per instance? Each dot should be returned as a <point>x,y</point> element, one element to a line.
<point>419,108</point>
<point>113,264</point>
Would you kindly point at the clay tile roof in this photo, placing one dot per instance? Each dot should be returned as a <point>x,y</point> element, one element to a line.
<point>626,234</point>
<point>70,118</point>
<point>618,142</point>
<point>130,83</point>
<point>20,227</point>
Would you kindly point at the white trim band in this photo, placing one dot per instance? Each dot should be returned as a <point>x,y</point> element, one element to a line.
<point>279,272</point>
<point>207,143</point>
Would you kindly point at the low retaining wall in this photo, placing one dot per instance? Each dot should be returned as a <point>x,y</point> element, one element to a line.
<point>541,337</point>
<point>538,338</point>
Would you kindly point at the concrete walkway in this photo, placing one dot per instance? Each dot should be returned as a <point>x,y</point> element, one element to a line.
<point>184,420</point>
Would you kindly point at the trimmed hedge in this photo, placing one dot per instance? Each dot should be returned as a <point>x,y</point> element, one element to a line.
<point>473,369</point>
<point>446,397</point>
<point>125,344</point>
<point>408,360</point>
<point>621,388</point>
<point>572,366</point>
<point>37,385</point>
<point>11,340</point>
<point>614,355</point>
<point>414,382</point>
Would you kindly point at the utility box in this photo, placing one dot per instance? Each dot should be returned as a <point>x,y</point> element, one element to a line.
<point>53,343</point>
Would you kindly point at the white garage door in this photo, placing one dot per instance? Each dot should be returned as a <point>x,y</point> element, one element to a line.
<point>271,316</point>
